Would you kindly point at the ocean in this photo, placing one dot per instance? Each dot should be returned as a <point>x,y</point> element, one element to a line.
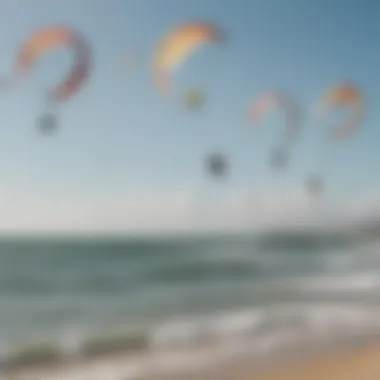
<point>82,297</point>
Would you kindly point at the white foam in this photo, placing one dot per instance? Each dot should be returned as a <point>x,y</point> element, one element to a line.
<point>361,282</point>
<point>72,340</point>
<point>237,333</point>
<point>239,323</point>
<point>178,333</point>
<point>188,333</point>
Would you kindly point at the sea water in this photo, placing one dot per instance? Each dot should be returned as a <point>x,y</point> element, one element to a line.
<point>88,297</point>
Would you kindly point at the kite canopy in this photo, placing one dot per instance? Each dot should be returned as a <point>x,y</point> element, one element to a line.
<point>272,101</point>
<point>177,46</point>
<point>45,40</point>
<point>344,95</point>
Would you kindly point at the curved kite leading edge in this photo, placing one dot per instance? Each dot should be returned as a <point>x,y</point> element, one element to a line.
<point>45,40</point>
<point>177,46</point>
<point>344,95</point>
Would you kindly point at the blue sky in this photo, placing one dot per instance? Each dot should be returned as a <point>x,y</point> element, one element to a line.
<point>119,136</point>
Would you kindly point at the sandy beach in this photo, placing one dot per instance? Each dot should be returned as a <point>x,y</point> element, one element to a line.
<point>351,364</point>
<point>359,364</point>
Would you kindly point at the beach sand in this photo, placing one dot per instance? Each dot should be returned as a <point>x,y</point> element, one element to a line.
<point>358,364</point>
<point>349,364</point>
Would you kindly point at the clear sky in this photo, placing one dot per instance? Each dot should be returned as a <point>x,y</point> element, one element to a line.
<point>122,146</point>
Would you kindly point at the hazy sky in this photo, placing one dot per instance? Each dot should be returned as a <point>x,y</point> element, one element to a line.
<point>126,158</point>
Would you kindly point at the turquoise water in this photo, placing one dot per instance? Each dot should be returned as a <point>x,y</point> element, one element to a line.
<point>76,289</point>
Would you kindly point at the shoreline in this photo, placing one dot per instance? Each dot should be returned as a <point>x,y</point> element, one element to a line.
<point>319,362</point>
